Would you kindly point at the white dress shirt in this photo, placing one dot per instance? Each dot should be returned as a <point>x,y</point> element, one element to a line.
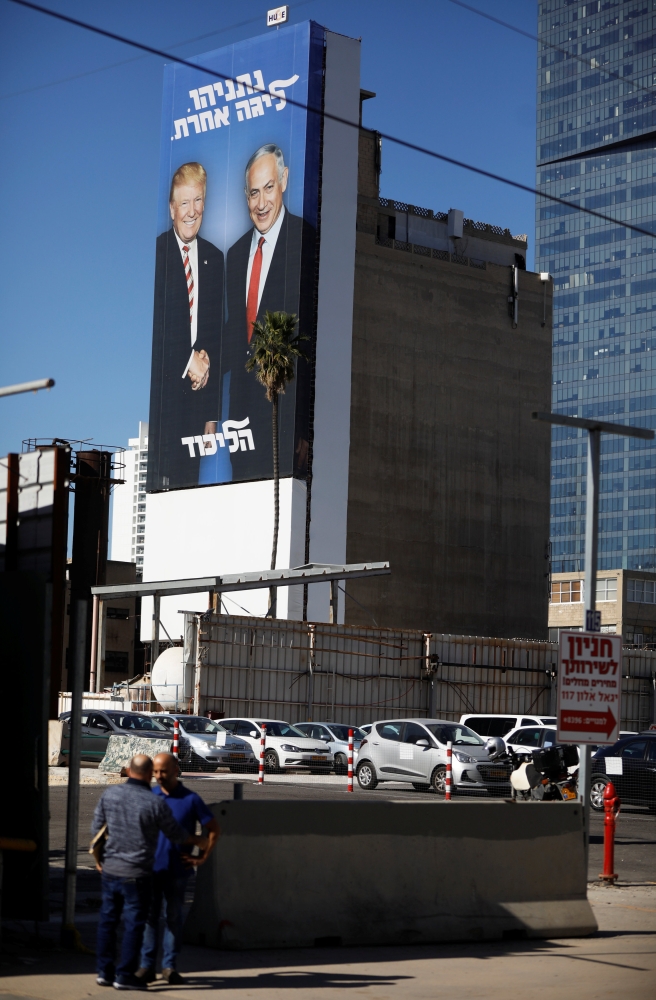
<point>269,245</point>
<point>193,262</point>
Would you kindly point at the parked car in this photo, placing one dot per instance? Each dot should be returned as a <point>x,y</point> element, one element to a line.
<point>336,736</point>
<point>631,765</point>
<point>285,746</point>
<point>205,748</point>
<point>366,729</point>
<point>414,750</point>
<point>532,738</point>
<point>98,726</point>
<point>499,725</point>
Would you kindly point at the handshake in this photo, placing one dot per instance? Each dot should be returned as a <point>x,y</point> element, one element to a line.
<point>199,369</point>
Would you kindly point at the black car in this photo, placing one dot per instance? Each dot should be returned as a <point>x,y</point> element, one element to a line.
<point>98,726</point>
<point>631,765</point>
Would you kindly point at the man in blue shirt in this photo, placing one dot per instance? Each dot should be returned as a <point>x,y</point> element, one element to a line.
<point>171,870</point>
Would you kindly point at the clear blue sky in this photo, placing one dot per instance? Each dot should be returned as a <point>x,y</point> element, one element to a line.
<point>79,171</point>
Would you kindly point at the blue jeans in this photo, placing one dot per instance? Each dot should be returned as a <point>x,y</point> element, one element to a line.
<point>170,890</point>
<point>129,897</point>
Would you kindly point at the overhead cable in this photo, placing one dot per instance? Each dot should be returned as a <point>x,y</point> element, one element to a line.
<point>404,143</point>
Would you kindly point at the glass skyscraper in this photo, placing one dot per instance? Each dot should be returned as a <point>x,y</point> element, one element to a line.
<point>596,147</point>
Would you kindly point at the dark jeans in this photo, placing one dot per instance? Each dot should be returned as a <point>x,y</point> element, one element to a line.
<point>170,890</point>
<point>129,897</point>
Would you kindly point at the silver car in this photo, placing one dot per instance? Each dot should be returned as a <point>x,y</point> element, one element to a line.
<point>414,750</point>
<point>201,750</point>
<point>336,736</point>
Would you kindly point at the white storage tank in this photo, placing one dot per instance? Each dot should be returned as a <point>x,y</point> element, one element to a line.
<point>172,680</point>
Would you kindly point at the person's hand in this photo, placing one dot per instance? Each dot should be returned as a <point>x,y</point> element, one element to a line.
<point>199,369</point>
<point>98,867</point>
<point>210,427</point>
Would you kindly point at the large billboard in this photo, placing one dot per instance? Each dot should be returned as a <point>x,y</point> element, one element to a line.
<point>237,224</point>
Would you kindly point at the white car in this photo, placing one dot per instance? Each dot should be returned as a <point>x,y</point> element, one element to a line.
<point>285,745</point>
<point>487,724</point>
<point>336,736</point>
<point>204,744</point>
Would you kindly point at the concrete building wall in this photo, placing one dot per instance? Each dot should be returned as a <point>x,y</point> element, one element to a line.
<point>448,473</point>
<point>627,603</point>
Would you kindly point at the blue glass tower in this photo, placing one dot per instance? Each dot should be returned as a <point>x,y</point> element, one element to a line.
<point>596,147</point>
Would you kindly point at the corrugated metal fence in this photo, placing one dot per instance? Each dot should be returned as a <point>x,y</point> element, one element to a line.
<point>298,671</point>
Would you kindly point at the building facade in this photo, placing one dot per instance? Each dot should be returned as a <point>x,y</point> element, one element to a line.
<point>625,598</point>
<point>129,502</point>
<point>596,148</point>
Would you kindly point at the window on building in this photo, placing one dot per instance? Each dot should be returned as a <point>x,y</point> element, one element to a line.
<point>607,589</point>
<point>121,613</point>
<point>116,662</point>
<point>567,592</point>
<point>641,591</point>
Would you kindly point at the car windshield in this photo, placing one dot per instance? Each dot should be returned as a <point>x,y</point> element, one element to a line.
<point>456,734</point>
<point>282,729</point>
<point>548,720</point>
<point>341,732</point>
<point>129,721</point>
<point>196,724</point>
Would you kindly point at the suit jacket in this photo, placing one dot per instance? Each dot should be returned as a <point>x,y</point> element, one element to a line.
<point>176,411</point>
<point>289,288</point>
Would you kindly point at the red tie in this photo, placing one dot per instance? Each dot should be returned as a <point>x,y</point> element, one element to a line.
<point>254,290</point>
<point>190,282</point>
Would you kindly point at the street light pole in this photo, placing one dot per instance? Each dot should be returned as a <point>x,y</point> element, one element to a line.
<point>592,623</point>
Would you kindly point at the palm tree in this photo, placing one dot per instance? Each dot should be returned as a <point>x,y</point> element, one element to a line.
<point>275,349</point>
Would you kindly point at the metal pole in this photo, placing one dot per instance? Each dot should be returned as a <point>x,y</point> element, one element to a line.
<point>68,932</point>
<point>311,665</point>
<point>590,606</point>
<point>333,602</point>
<point>154,642</point>
<point>94,645</point>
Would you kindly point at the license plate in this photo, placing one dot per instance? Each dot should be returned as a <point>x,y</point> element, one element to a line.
<point>497,773</point>
<point>317,758</point>
<point>236,756</point>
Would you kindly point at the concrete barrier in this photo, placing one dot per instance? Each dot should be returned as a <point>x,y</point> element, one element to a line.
<point>121,750</point>
<point>294,874</point>
<point>56,736</point>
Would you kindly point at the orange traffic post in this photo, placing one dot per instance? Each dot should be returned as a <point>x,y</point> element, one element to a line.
<point>612,806</point>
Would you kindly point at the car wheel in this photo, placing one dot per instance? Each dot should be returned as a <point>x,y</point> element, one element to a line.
<point>341,763</point>
<point>271,764</point>
<point>366,775</point>
<point>438,779</point>
<point>597,789</point>
<point>419,787</point>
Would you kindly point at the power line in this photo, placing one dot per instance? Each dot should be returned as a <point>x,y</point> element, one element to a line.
<point>556,48</point>
<point>404,143</point>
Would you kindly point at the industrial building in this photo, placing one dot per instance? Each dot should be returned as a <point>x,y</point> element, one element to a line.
<point>625,598</point>
<point>128,519</point>
<point>596,148</point>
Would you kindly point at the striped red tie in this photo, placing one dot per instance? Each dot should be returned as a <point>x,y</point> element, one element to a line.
<point>190,283</point>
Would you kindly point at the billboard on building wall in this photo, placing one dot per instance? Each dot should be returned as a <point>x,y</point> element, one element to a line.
<point>237,223</point>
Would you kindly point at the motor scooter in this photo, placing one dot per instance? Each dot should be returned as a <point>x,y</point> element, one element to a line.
<point>543,776</point>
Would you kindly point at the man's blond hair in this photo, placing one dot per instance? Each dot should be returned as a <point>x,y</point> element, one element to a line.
<point>188,173</point>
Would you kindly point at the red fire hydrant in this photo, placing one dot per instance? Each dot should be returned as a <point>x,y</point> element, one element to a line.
<point>612,810</point>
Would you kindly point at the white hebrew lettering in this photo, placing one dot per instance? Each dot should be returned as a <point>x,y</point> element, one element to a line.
<point>230,90</point>
<point>276,89</point>
<point>219,438</point>
<point>190,445</point>
<point>247,111</point>
<point>181,127</point>
<point>209,444</point>
<point>266,99</point>
<point>259,79</point>
<point>221,117</point>
<point>246,438</point>
<point>230,428</point>
<point>196,99</point>
<point>193,119</point>
<point>206,120</point>
<point>256,106</point>
<point>209,90</point>
<point>219,89</point>
<point>245,78</point>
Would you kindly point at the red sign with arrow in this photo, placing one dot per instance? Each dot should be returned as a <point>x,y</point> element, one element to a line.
<point>589,687</point>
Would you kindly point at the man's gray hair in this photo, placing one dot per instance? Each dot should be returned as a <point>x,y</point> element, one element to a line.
<point>270,149</point>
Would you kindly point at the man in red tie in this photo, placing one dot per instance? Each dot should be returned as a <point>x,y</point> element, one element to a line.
<point>187,325</point>
<point>270,268</point>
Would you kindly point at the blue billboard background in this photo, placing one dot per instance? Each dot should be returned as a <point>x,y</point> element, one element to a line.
<point>219,124</point>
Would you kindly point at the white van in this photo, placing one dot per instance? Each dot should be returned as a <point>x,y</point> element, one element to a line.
<point>499,725</point>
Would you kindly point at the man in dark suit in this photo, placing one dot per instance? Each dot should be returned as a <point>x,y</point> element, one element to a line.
<point>270,268</point>
<point>188,314</point>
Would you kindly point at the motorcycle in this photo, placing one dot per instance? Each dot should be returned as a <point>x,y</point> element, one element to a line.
<point>544,776</point>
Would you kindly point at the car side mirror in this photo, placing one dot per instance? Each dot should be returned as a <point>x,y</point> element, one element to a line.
<point>422,743</point>
<point>254,734</point>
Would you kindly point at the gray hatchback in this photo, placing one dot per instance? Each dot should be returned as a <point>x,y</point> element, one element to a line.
<point>414,750</point>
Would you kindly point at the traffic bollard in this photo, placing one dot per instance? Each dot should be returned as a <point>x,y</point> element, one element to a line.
<point>612,806</point>
<point>260,775</point>
<point>349,786</point>
<point>447,783</point>
<point>176,739</point>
